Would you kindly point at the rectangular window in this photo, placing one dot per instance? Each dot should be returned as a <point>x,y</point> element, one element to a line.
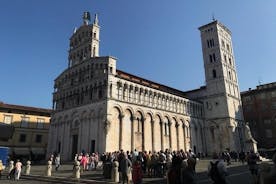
<point>273,105</point>
<point>22,138</point>
<point>247,98</point>
<point>263,107</point>
<point>92,146</point>
<point>38,138</point>
<point>7,119</point>
<point>24,121</point>
<point>273,94</point>
<point>40,122</point>
<point>267,121</point>
<point>248,108</point>
<point>268,133</point>
<point>262,96</point>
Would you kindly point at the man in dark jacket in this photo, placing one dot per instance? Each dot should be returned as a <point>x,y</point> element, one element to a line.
<point>189,174</point>
<point>125,165</point>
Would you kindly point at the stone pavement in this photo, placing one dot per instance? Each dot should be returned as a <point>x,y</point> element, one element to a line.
<point>65,174</point>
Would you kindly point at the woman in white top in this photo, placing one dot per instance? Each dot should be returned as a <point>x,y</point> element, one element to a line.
<point>18,167</point>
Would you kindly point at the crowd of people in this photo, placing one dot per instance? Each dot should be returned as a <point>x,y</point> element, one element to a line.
<point>177,166</point>
<point>87,161</point>
<point>137,164</point>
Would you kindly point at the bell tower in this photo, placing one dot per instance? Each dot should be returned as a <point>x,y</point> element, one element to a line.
<point>222,103</point>
<point>85,41</point>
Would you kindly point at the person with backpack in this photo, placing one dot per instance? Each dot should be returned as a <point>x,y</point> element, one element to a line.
<point>252,164</point>
<point>188,174</point>
<point>217,170</point>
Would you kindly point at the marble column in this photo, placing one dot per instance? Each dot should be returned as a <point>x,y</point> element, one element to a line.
<point>177,134</point>
<point>152,134</point>
<point>121,130</point>
<point>162,135</point>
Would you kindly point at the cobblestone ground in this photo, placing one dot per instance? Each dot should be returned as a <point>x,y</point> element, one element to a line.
<point>238,172</point>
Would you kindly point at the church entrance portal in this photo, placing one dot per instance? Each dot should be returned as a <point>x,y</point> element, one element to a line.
<point>74,145</point>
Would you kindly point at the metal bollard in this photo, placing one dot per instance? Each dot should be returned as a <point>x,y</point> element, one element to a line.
<point>115,173</point>
<point>28,168</point>
<point>77,170</point>
<point>49,168</point>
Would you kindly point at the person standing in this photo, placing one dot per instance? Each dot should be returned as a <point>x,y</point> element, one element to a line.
<point>125,165</point>
<point>96,160</point>
<point>137,173</point>
<point>57,162</point>
<point>83,162</point>
<point>18,168</point>
<point>188,175</point>
<point>242,156</point>
<point>1,168</point>
<point>174,172</point>
<point>252,164</point>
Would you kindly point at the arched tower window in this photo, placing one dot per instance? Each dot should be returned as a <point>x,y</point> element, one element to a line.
<point>214,73</point>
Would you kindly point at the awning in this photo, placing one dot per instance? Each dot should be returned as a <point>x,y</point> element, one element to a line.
<point>38,151</point>
<point>21,151</point>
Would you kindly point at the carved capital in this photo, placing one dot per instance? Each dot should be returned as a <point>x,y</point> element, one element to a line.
<point>132,118</point>
<point>121,116</point>
<point>160,123</point>
<point>143,119</point>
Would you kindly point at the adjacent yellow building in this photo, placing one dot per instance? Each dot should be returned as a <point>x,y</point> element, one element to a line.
<point>31,126</point>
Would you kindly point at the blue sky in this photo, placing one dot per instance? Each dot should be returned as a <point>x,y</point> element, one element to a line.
<point>154,39</point>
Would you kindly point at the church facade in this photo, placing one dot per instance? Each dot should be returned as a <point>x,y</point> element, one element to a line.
<point>98,107</point>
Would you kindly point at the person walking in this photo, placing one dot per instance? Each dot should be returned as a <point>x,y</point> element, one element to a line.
<point>18,168</point>
<point>217,170</point>
<point>125,165</point>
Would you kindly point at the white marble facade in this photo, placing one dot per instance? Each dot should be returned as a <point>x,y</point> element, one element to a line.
<point>100,108</point>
